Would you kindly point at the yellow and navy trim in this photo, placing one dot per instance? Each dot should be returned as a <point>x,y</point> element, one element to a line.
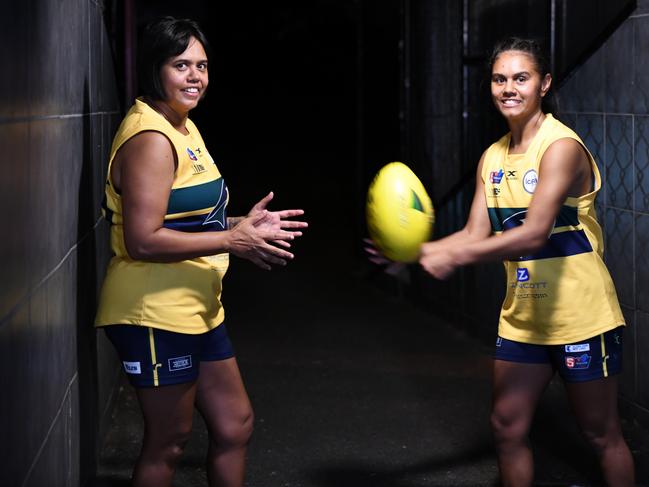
<point>154,359</point>
<point>604,355</point>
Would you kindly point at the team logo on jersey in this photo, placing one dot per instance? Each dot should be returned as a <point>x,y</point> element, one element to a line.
<point>530,181</point>
<point>496,176</point>
<point>180,363</point>
<point>578,362</point>
<point>132,367</point>
<point>217,215</point>
<point>514,220</point>
<point>191,154</point>
<point>522,274</point>
<point>579,347</point>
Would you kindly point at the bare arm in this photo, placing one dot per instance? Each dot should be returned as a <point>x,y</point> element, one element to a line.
<point>144,172</point>
<point>564,171</point>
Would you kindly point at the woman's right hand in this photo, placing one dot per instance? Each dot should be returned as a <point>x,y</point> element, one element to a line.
<point>251,238</point>
<point>375,256</point>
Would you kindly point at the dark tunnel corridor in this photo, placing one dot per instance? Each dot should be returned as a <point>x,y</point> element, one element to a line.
<point>358,377</point>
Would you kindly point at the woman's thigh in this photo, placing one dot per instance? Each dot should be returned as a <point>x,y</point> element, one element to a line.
<point>222,400</point>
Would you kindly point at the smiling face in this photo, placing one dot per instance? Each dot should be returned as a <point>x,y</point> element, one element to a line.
<point>184,78</point>
<point>517,87</point>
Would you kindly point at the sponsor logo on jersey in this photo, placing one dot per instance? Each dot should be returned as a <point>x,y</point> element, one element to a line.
<point>522,274</point>
<point>180,363</point>
<point>191,154</point>
<point>578,362</point>
<point>579,347</point>
<point>526,288</point>
<point>198,168</point>
<point>530,181</point>
<point>496,176</point>
<point>132,367</point>
<point>511,175</point>
<point>530,285</point>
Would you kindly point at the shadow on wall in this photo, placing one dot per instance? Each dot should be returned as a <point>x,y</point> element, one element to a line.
<point>86,302</point>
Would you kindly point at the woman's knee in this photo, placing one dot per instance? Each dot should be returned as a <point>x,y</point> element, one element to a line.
<point>508,428</point>
<point>602,437</point>
<point>168,444</point>
<point>235,431</point>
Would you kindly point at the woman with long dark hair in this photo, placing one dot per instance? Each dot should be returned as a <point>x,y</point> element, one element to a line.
<point>534,208</point>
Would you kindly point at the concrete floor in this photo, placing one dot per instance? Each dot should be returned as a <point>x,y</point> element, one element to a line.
<point>353,387</point>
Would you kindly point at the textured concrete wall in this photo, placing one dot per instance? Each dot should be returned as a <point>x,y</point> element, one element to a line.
<point>606,101</point>
<point>58,110</point>
<point>436,66</point>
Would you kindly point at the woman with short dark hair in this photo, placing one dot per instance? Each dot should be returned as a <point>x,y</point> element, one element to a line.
<point>161,299</point>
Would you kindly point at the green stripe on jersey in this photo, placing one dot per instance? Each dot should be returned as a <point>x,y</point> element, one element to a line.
<point>193,198</point>
<point>568,216</point>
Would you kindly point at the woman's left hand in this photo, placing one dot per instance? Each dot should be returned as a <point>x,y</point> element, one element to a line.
<point>276,220</point>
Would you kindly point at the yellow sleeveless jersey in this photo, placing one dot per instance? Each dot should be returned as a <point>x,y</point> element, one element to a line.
<point>182,296</point>
<point>564,292</point>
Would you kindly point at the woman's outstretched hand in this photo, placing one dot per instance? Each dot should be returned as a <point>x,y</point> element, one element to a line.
<point>376,257</point>
<point>250,239</point>
<point>277,220</point>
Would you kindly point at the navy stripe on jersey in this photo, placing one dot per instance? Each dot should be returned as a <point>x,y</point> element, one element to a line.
<point>192,198</point>
<point>197,223</point>
<point>507,218</point>
<point>562,244</point>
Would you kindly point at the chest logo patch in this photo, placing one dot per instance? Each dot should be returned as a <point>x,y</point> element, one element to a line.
<point>530,181</point>
<point>191,154</point>
<point>496,176</point>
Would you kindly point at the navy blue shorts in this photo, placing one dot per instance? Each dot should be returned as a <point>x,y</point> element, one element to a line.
<point>153,357</point>
<point>590,359</point>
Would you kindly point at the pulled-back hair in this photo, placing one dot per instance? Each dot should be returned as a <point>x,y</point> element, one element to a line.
<point>160,40</point>
<point>535,50</point>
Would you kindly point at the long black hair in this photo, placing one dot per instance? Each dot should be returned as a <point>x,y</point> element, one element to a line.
<point>535,50</point>
<point>160,40</point>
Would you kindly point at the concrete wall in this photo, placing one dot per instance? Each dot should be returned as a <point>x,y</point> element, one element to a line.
<point>435,84</point>
<point>606,101</point>
<point>58,111</point>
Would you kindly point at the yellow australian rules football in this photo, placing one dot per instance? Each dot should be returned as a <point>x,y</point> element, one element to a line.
<point>399,212</point>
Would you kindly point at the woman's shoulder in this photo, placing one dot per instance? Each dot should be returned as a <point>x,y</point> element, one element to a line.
<point>141,118</point>
<point>559,130</point>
